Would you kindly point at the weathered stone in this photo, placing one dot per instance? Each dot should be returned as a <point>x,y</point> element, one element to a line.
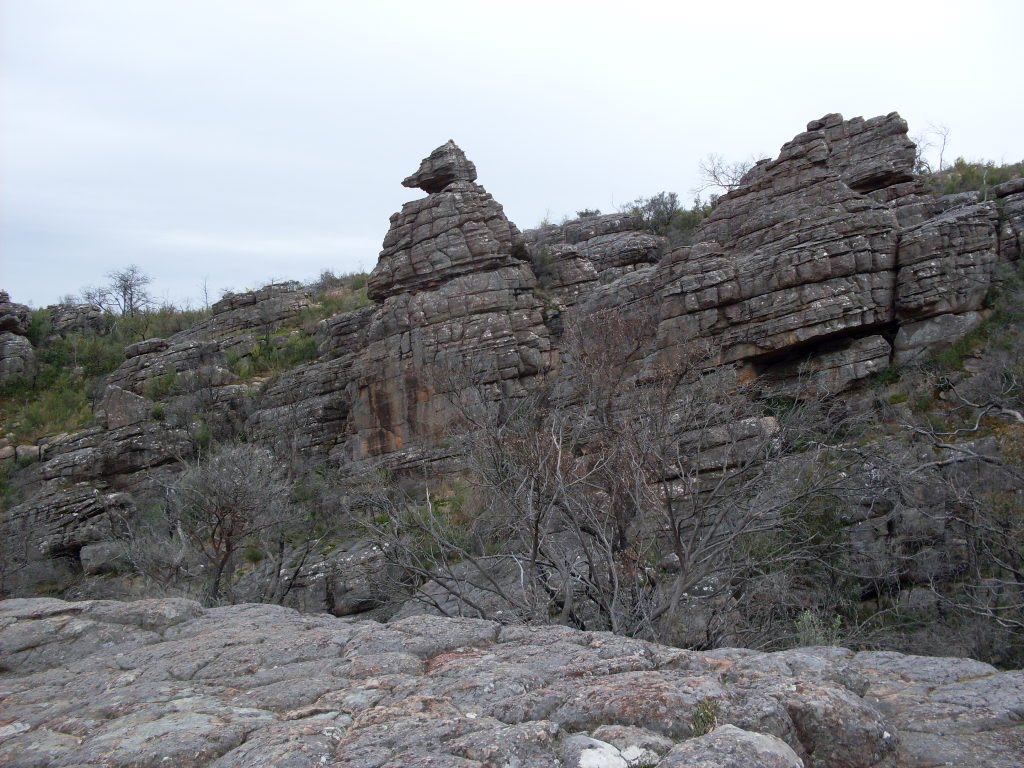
<point>570,257</point>
<point>76,318</point>
<point>913,340</point>
<point>1007,188</point>
<point>43,536</point>
<point>459,231</point>
<point>868,154</point>
<point>621,250</point>
<point>731,747</point>
<point>97,453</point>
<point>563,272</point>
<point>264,310</point>
<point>440,168</point>
<point>145,347</point>
<point>26,454</point>
<point>100,682</point>
<point>948,710</point>
<point>62,519</point>
<point>17,357</point>
<point>305,411</point>
<point>121,408</point>
<point>946,265</point>
<point>459,326</point>
<point>794,255</point>
<point>104,557</point>
<point>14,318</point>
<point>477,336</point>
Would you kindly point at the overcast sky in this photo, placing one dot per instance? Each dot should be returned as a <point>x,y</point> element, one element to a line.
<point>238,141</point>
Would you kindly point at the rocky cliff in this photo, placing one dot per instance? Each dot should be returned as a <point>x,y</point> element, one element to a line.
<point>157,682</point>
<point>826,265</point>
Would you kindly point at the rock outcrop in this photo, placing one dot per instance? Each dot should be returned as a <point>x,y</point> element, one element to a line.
<point>612,245</point>
<point>76,318</point>
<point>458,319</point>
<point>146,684</point>
<point>818,262</point>
<point>17,356</point>
<point>824,266</point>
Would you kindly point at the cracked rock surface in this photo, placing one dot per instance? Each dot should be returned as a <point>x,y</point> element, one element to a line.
<point>167,682</point>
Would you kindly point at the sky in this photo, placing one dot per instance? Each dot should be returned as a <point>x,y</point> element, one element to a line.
<point>223,144</point>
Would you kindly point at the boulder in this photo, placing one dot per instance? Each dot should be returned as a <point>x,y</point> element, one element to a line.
<point>14,318</point>
<point>440,168</point>
<point>730,747</point>
<point>17,356</point>
<point>914,340</point>
<point>76,318</point>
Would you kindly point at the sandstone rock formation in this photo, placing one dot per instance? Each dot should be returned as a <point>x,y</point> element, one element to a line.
<point>819,262</point>
<point>14,318</point>
<point>612,245</point>
<point>76,318</point>
<point>17,356</point>
<point>145,684</point>
<point>458,316</point>
<point>825,266</point>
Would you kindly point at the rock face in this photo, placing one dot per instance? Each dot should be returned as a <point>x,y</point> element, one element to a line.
<point>825,266</point>
<point>76,318</point>
<point>14,318</point>
<point>440,168</point>
<point>458,317</point>
<point>17,357</point>
<point>795,255</point>
<point>101,683</point>
<point>607,246</point>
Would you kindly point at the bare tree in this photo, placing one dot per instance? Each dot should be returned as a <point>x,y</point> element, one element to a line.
<point>717,173</point>
<point>623,496</point>
<point>935,136</point>
<point>126,294</point>
<point>225,503</point>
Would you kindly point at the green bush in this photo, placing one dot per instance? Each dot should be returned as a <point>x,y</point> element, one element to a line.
<point>815,628</point>
<point>705,717</point>
<point>69,369</point>
<point>162,386</point>
<point>661,214</point>
<point>272,355</point>
<point>32,413</point>
<point>972,176</point>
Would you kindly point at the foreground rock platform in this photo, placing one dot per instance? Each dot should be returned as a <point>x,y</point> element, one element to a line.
<point>167,682</point>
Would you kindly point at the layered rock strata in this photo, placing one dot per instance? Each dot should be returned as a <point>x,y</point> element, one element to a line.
<point>17,356</point>
<point>458,320</point>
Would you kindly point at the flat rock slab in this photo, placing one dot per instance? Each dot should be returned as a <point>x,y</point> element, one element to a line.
<point>167,682</point>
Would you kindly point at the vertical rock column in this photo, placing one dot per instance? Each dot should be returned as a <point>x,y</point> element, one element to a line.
<point>458,326</point>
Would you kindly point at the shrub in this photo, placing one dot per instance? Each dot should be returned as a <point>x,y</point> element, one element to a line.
<point>972,176</point>
<point>661,214</point>
<point>705,717</point>
<point>162,386</point>
<point>31,412</point>
<point>275,354</point>
<point>814,628</point>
